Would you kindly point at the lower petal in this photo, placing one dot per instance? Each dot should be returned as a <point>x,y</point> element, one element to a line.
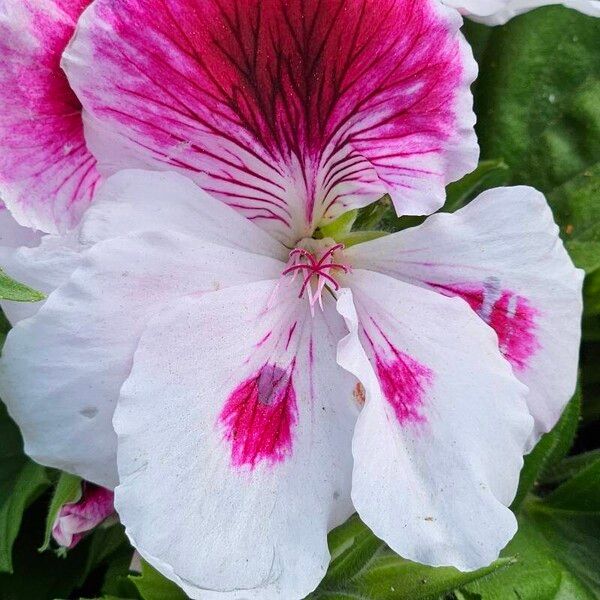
<point>439,444</point>
<point>234,431</point>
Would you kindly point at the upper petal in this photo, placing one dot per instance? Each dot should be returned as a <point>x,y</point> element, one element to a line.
<point>438,446</point>
<point>63,368</point>
<point>498,12</point>
<point>291,112</point>
<point>234,429</point>
<point>47,174</point>
<point>502,254</point>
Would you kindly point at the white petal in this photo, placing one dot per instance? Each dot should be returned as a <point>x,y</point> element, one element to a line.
<point>63,368</point>
<point>235,431</point>
<point>137,200</point>
<point>498,12</point>
<point>43,263</point>
<point>502,254</point>
<point>438,447</point>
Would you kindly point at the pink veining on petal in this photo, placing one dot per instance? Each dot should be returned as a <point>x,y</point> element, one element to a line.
<point>510,315</point>
<point>403,380</point>
<point>290,111</point>
<point>47,174</point>
<point>259,417</point>
<point>76,519</point>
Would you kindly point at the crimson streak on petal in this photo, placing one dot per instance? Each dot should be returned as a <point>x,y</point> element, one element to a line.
<point>510,315</point>
<point>259,417</point>
<point>403,380</point>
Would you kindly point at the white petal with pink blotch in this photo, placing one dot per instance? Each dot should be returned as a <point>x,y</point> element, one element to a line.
<point>252,431</point>
<point>79,346</point>
<point>502,255</point>
<point>442,407</point>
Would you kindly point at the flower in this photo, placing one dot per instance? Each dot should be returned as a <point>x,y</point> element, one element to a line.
<point>255,381</point>
<point>47,174</point>
<point>75,519</point>
<point>241,427</point>
<point>498,12</point>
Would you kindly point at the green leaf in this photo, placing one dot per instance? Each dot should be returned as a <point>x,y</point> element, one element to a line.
<point>362,567</point>
<point>21,482</point>
<point>4,328</point>
<point>538,96</point>
<point>489,174</point>
<point>576,207</point>
<point>550,450</point>
<point>359,237</point>
<point>581,493</point>
<point>371,216</point>
<point>153,586</point>
<point>557,558</point>
<point>13,290</point>
<point>68,489</point>
<point>570,467</point>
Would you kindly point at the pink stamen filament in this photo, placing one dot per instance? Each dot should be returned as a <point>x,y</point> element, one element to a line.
<point>319,269</point>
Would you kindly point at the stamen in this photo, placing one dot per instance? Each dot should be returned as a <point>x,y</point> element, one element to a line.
<point>305,261</point>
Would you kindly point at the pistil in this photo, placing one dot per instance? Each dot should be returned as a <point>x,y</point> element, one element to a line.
<point>320,271</point>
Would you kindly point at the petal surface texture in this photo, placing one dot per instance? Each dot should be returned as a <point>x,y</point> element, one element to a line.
<point>438,446</point>
<point>78,348</point>
<point>12,237</point>
<point>502,255</point>
<point>47,174</point>
<point>243,447</point>
<point>498,12</point>
<point>292,112</point>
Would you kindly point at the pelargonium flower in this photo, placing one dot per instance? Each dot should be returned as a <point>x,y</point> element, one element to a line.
<point>251,420</point>
<point>268,381</point>
<point>75,519</point>
<point>498,12</point>
<point>47,174</point>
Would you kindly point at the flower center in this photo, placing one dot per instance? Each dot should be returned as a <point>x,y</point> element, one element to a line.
<point>319,270</point>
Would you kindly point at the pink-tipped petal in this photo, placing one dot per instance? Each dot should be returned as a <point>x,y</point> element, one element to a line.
<point>498,12</point>
<point>438,445</point>
<point>502,255</point>
<point>76,519</point>
<point>243,447</point>
<point>47,174</point>
<point>291,112</point>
